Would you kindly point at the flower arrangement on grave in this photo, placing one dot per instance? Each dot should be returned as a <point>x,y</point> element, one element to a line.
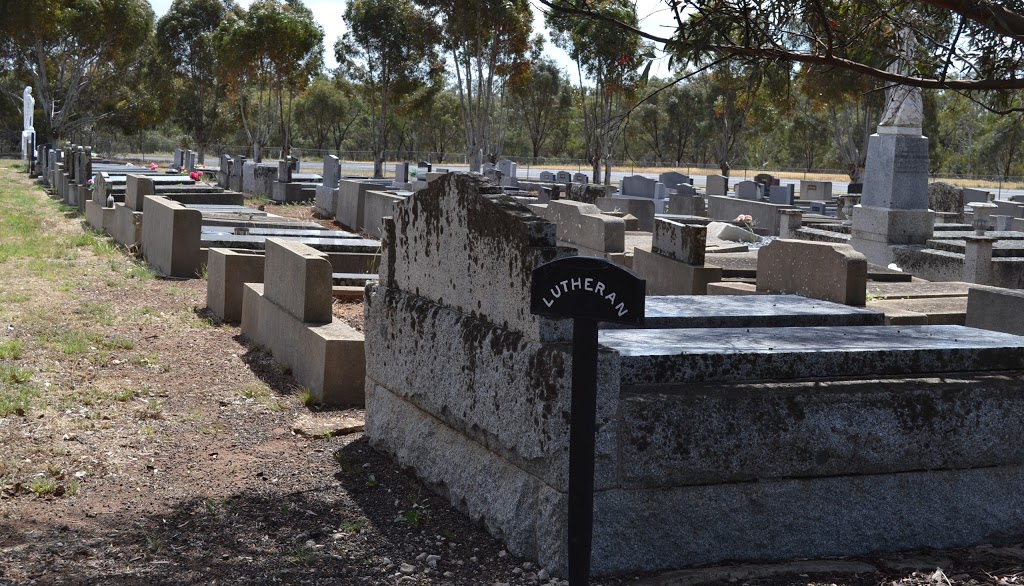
<point>748,222</point>
<point>153,166</point>
<point>196,175</point>
<point>88,184</point>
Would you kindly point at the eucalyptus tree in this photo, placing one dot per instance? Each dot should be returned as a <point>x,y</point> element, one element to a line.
<point>611,58</point>
<point>72,52</point>
<point>185,48</point>
<point>326,112</point>
<point>542,98</point>
<point>390,49</point>
<point>488,42</point>
<point>267,55</point>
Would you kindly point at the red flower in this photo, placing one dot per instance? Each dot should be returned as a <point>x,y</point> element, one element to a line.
<point>195,175</point>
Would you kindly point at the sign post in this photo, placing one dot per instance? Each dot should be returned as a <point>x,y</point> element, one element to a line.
<point>588,290</point>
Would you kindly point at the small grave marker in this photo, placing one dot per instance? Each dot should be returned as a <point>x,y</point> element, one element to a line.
<point>588,290</point>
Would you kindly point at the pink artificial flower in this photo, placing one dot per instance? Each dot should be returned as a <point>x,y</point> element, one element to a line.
<point>744,218</point>
<point>195,175</point>
<point>153,166</point>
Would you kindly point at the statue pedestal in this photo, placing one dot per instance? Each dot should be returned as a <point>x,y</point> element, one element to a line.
<point>28,147</point>
<point>893,209</point>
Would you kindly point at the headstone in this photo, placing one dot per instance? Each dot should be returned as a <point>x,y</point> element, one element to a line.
<point>507,168</point>
<point>765,179</point>
<point>424,164</point>
<point>179,159</point>
<point>563,177</point>
<point>749,190</point>
<point>943,197</point>
<point>638,186</point>
<point>818,207</point>
<point>401,172</point>
<point>284,171</point>
<point>682,242</point>
<point>673,179</point>
<point>972,195</point>
<point>855,188</point>
<point>781,194</point>
<point>547,176</point>
<point>331,172</point>
<point>815,191</point>
<point>580,178</point>
<point>819,270</point>
<point>717,185</point>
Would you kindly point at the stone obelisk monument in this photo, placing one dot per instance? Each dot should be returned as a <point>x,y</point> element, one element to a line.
<point>893,210</point>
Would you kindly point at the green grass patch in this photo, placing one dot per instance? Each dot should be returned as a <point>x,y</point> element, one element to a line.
<point>7,297</point>
<point>96,312</point>
<point>13,375</point>
<point>11,350</point>
<point>79,342</point>
<point>16,399</point>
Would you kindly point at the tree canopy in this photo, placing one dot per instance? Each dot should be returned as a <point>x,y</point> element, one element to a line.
<point>965,45</point>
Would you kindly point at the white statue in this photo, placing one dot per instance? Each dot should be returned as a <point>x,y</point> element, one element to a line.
<point>903,105</point>
<point>29,107</point>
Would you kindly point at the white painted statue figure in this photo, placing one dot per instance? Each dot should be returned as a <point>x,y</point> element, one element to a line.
<point>903,105</point>
<point>29,107</point>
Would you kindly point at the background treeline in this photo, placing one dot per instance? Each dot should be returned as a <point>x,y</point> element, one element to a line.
<point>454,81</point>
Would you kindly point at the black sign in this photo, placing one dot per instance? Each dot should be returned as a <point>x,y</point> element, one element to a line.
<point>588,288</point>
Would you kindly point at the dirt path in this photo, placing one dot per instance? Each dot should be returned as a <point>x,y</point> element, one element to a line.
<point>142,444</point>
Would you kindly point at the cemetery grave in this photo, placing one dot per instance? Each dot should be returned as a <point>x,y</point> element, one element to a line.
<point>737,322</point>
<point>680,464</point>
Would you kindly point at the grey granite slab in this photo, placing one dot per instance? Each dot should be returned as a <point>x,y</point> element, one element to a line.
<point>683,219</point>
<point>356,279</point>
<point>750,311</point>
<point>222,209</point>
<point>664,356</point>
<point>301,232</point>
<point>322,244</point>
<point>1000,248</point>
<point>961,234</point>
<point>918,290</point>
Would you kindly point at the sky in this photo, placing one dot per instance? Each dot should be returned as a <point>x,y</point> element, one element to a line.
<point>654,15</point>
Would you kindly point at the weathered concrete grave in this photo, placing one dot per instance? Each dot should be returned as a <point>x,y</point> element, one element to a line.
<point>713,444</point>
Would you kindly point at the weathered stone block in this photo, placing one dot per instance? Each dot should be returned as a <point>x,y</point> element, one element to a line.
<point>463,226</point>
<point>171,237</point>
<point>821,270</point>
<point>137,187</point>
<point>585,225</point>
<point>943,197</point>
<point>640,208</point>
<point>100,218</point>
<point>815,191</point>
<point>376,206</point>
<point>328,359</point>
<point>227,272</point>
<point>298,279</point>
<point>665,276</point>
<point>326,202</point>
<point>717,185</point>
<point>896,173</point>
<point>682,242</point>
<point>996,309</point>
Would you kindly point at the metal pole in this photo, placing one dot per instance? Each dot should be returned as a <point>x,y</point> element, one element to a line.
<point>582,427</point>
